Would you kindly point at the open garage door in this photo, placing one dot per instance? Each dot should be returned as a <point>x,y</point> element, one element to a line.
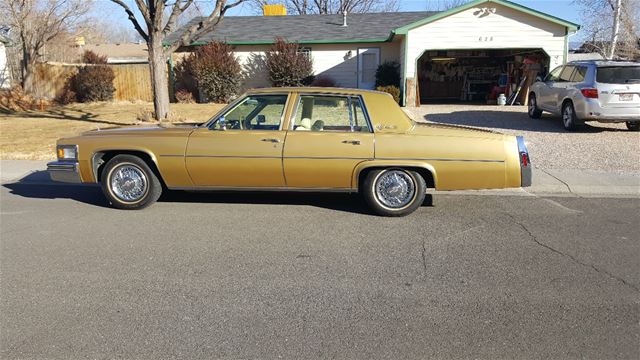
<point>447,76</point>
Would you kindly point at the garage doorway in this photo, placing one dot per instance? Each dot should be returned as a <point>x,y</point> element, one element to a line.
<point>478,76</point>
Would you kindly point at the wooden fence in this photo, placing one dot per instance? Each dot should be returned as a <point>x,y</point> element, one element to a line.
<point>132,81</point>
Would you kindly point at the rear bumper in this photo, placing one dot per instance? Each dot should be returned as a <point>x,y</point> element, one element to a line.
<point>525,163</point>
<point>64,171</point>
<point>590,110</point>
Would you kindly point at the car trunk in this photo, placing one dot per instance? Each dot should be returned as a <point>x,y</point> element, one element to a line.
<point>619,86</point>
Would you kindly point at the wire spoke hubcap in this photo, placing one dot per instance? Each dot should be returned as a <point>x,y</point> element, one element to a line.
<point>128,183</point>
<point>395,189</point>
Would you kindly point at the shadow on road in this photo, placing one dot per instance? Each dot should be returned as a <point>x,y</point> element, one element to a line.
<point>510,120</point>
<point>38,186</point>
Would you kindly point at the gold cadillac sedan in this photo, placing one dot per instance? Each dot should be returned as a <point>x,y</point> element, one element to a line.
<point>296,139</point>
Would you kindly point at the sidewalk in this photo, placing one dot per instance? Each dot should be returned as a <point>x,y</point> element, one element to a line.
<point>545,182</point>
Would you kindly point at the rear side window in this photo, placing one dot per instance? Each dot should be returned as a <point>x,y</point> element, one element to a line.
<point>554,75</point>
<point>618,75</point>
<point>579,74</point>
<point>566,73</point>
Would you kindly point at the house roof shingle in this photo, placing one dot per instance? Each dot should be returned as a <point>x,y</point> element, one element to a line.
<point>370,27</point>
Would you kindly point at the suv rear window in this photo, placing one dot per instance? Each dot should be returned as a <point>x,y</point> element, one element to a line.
<point>618,74</point>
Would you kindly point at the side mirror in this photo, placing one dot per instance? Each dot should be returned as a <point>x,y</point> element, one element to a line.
<point>261,119</point>
<point>538,78</point>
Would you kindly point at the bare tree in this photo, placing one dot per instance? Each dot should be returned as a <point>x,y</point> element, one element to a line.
<point>610,27</point>
<point>35,23</point>
<point>160,19</point>
<point>304,7</point>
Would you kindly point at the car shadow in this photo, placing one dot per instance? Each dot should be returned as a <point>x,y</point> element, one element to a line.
<point>37,185</point>
<point>512,121</point>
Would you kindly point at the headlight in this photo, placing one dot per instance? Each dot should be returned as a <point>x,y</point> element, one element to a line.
<point>67,152</point>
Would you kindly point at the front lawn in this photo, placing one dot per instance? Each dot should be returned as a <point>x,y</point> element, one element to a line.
<point>32,135</point>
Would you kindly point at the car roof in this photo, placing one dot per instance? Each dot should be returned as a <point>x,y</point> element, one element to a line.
<point>311,89</point>
<point>605,62</point>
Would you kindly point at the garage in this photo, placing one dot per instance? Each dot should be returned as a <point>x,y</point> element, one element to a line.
<point>477,51</point>
<point>479,76</point>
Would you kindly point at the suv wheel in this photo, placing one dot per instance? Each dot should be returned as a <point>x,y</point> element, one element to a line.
<point>534,111</point>
<point>569,118</point>
<point>394,192</point>
<point>633,125</point>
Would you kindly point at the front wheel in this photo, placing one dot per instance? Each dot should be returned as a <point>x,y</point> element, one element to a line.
<point>633,125</point>
<point>129,183</point>
<point>534,111</point>
<point>394,192</point>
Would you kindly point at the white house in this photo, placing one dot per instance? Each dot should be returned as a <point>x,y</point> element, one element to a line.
<point>459,54</point>
<point>5,82</point>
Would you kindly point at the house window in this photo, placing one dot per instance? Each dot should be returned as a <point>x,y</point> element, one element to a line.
<point>305,50</point>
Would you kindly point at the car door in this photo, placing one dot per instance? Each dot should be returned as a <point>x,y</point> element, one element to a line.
<point>329,136</point>
<point>242,147</point>
<point>561,88</point>
<point>546,89</point>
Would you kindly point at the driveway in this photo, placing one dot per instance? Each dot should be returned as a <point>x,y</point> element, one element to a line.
<point>596,146</point>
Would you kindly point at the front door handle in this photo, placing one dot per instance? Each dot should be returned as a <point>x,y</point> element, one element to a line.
<point>352,142</point>
<point>273,140</point>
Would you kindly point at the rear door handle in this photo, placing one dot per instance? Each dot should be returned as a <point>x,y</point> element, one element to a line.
<point>352,142</point>
<point>271,140</point>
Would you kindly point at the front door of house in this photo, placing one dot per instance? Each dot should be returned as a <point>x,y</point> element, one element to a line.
<point>368,61</point>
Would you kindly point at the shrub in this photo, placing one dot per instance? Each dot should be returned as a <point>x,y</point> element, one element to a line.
<point>145,115</point>
<point>216,70</point>
<point>323,81</point>
<point>390,89</point>
<point>15,99</point>
<point>286,65</point>
<point>94,82</point>
<point>388,74</point>
<point>67,97</point>
<point>184,96</point>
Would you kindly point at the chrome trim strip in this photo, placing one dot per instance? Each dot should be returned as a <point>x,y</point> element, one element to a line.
<point>443,159</point>
<point>525,171</point>
<point>64,171</point>
<point>327,158</point>
<point>171,155</point>
<point>234,157</point>
<point>260,189</point>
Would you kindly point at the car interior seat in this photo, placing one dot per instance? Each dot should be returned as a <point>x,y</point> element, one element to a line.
<point>318,125</point>
<point>305,125</point>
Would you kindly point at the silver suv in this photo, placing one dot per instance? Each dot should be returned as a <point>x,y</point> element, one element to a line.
<point>604,91</point>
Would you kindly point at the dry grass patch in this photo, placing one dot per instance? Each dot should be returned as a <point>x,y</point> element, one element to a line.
<point>32,135</point>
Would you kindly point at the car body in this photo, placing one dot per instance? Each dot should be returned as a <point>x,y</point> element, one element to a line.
<point>309,139</point>
<point>604,91</point>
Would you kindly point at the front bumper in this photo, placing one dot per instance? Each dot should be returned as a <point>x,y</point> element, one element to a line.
<point>64,171</point>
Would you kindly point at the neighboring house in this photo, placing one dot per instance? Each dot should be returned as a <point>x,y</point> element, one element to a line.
<point>126,53</point>
<point>576,56</point>
<point>457,54</point>
<point>5,74</point>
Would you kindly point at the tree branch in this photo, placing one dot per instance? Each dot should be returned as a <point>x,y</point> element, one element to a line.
<point>133,19</point>
<point>175,12</point>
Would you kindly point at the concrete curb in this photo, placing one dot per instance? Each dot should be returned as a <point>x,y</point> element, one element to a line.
<point>566,182</point>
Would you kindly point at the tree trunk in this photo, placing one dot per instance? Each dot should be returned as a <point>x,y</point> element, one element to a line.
<point>28,67</point>
<point>617,10</point>
<point>159,81</point>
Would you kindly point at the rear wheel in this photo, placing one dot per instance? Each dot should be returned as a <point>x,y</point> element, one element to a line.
<point>534,111</point>
<point>633,125</point>
<point>129,183</point>
<point>394,192</point>
<point>569,118</point>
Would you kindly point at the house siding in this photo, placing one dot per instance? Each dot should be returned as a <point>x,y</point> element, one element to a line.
<point>507,28</point>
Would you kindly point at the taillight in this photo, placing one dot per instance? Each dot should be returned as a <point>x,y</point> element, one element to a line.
<point>590,93</point>
<point>525,159</point>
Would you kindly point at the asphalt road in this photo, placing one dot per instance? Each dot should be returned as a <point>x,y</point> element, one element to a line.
<point>315,276</point>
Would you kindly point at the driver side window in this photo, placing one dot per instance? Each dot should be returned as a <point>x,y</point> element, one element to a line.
<point>254,112</point>
<point>554,75</point>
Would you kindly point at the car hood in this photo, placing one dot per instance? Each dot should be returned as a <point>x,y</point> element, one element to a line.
<point>142,130</point>
<point>434,129</point>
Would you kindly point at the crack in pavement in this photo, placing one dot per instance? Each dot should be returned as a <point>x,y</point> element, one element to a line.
<point>564,183</point>
<point>574,259</point>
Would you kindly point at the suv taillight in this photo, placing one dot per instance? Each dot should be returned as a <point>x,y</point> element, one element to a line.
<point>590,93</point>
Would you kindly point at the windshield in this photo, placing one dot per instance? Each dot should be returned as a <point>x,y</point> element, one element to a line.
<point>618,75</point>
